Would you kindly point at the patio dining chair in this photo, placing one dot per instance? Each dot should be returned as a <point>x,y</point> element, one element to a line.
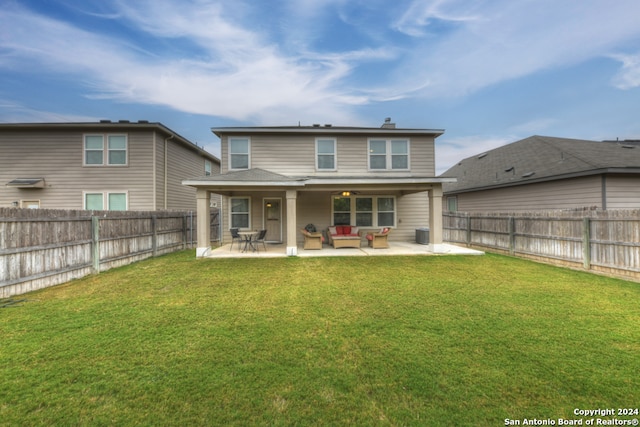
<point>260,239</point>
<point>235,236</point>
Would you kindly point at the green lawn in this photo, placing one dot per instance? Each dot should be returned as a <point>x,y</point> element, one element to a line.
<point>321,341</point>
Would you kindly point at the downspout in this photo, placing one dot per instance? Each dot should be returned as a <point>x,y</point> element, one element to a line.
<point>166,167</point>
<point>154,175</point>
<point>604,192</point>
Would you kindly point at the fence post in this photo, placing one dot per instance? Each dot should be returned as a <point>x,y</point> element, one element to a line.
<point>184,231</point>
<point>154,234</point>
<point>586,243</point>
<point>512,235</point>
<point>95,243</point>
<point>468,230</point>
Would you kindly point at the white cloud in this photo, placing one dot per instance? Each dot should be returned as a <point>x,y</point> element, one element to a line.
<point>225,59</point>
<point>502,40</point>
<point>237,75</point>
<point>629,76</point>
<point>418,17</point>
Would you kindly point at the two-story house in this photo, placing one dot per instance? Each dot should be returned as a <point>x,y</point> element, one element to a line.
<point>99,166</point>
<point>283,178</point>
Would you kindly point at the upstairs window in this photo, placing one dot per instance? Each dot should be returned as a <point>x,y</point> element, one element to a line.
<point>207,168</point>
<point>239,153</point>
<point>111,153</point>
<point>392,154</point>
<point>326,154</point>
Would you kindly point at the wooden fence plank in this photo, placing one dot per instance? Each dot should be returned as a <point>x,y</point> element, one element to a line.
<point>40,248</point>
<point>603,241</point>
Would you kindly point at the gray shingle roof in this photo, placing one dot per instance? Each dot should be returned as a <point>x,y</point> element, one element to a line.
<point>540,158</point>
<point>249,175</point>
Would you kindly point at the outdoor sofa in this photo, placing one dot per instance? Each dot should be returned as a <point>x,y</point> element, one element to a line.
<point>344,236</point>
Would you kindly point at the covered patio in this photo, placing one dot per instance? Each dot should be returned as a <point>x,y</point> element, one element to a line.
<point>265,198</point>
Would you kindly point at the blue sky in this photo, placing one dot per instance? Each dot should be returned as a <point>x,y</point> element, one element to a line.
<point>489,72</point>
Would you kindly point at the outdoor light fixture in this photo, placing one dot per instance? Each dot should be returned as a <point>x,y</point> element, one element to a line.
<point>16,203</point>
<point>268,204</point>
<point>346,193</point>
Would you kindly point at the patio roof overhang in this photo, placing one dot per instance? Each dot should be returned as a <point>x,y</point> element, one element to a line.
<point>260,180</point>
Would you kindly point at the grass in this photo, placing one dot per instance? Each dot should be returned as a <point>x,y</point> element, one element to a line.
<point>320,341</point>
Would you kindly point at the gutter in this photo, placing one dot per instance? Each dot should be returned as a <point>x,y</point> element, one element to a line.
<point>631,170</point>
<point>166,167</point>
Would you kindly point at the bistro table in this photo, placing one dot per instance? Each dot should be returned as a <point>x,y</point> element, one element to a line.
<point>248,237</point>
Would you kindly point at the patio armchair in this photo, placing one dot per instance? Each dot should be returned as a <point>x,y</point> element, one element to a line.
<point>378,239</point>
<point>312,240</point>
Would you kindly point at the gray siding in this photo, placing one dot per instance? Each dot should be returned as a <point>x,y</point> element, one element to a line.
<point>623,191</point>
<point>565,194</point>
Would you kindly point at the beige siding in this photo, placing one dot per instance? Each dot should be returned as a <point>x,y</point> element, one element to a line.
<point>623,191</point>
<point>295,155</point>
<point>413,212</point>
<point>57,156</point>
<point>314,207</point>
<point>183,163</point>
<point>565,194</point>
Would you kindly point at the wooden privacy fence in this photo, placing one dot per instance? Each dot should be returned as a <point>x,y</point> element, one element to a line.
<point>601,241</point>
<point>41,248</point>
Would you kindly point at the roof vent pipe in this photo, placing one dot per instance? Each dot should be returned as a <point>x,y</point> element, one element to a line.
<point>387,124</point>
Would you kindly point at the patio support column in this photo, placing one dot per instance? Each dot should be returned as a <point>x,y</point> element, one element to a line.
<point>292,244</point>
<point>203,212</point>
<point>435,219</point>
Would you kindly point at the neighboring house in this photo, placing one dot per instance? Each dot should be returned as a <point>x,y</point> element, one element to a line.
<point>99,166</point>
<point>283,178</point>
<point>545,173</point>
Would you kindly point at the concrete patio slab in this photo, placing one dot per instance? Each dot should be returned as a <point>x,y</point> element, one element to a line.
<point>395,248</point>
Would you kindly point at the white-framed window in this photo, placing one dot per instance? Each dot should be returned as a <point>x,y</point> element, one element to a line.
<point>452,203</point>
<point>105,150</point>
<point>30,204</point>
<point>207,168</point>
<point>389,154</point>
<point>364,211</point>
<point>326,159</point>
<point>240,211</point>
<point>239,153</point>
<point>386,212</point>
<point>106,201</point>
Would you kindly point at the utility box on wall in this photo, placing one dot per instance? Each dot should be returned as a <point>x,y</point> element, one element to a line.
<point>422,236</point>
